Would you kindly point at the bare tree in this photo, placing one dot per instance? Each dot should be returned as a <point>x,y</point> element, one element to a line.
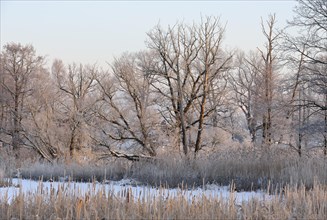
<point>254,84</point>
<point>5,102</point>
<point>18,66</point>
<point>190,60</point>
<point>295,87</point>
<point>316,79</point>
<point>210,35</point>
<point>76,85</point>
<point>41,129</point>
<point>173,70</point>
<point>126,106</point>
<point>311,18</point>
<point>245,84</point>
<point>269,58</point>
<point>311,46</point>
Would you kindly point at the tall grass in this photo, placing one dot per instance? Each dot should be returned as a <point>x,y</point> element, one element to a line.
<point>5,171</point>
<point>291,203</point>
<point>248,170</point>
<point>116,170</point>
<point>298,186</point>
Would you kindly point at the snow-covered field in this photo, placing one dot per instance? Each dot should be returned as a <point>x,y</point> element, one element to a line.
<point>119,188</point>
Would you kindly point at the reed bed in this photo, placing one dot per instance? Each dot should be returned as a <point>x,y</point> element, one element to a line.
<point>292,202</point>
<point>297,189</point>
<point>249,170</point>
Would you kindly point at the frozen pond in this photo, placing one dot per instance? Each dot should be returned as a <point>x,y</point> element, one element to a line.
<point>119,188</point>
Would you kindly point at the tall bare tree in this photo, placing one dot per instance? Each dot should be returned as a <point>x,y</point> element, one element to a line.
<point>245,84</point>
<point>269,58</point>
<point>126,107</point>
<point>311,18</point>
<point>316,79</point>
<point>254,83</point>
<point>295,88</point>
<point>18,67</point>
<point>310,45</point>
<point>76,85</point>
<point>190,60</point>
<point>41,129</point>
<point>176,50</point>
<point>214,63</point>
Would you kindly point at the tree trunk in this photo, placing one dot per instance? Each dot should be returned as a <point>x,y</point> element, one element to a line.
<point>181,114</point>
<point>201,119</point>
<point>16,126</point>
<point>72,143</point>
<point>325,129</point>
<point>269,59</point>
<point>300,123</point>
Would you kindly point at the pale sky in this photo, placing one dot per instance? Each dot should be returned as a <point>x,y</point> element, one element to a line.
<point>97,31</point>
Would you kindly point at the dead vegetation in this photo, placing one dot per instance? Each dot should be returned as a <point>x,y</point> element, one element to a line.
<point>298,186</point>
<point>247,169</point>
<point>289,203</point>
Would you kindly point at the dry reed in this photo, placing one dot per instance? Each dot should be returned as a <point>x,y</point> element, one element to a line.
<point>249,170</point>
<point>290,203</point>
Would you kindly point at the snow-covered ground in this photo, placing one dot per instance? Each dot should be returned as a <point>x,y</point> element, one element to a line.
<point>118,188</point>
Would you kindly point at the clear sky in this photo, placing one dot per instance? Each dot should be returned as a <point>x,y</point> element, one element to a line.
<point>97,31</point>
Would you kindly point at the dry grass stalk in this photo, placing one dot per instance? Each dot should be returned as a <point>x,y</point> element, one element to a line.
<point>250,170</point>
<point>290,203</point>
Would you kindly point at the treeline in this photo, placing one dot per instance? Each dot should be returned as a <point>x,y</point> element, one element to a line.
<point>184,93</point>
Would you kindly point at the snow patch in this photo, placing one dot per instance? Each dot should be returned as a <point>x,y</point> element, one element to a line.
<point>119,188</point>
